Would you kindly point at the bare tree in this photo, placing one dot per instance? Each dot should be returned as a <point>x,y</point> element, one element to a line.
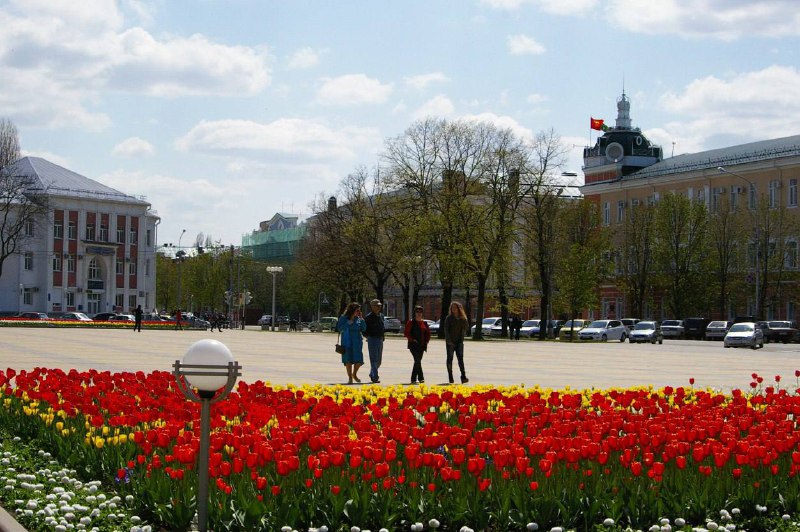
<point>636,257</point>
<point>23,201</point>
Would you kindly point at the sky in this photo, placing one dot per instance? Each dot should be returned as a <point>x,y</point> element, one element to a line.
<point>222,113</point>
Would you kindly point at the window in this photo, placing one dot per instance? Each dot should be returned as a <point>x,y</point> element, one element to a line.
<point>147,238</point>
<point>119,301</point>
<point>94,269</point>
<point>70,298</point>
<point>792,199</point>
<point>701,196</point>
<point>734,198</point>
<point>752,196</point>
<point>103,233</point>
<point>147,268</point>
<point>27,297</point>
<point>132,268</point>
<point>751,254</point>
<point>72,231</point>
<point>58,229</point>
<point>716,198</point>
<point>90,232</point>
<point>28,228</point>
<point>606,213</point>
<point>71,263</point>
<point>57,262</point>
<point>791,254</point>
<point>120,267</point>
<point>132,301</point>
<point>120,235</point>
<point>133,237</point>
<point>620,212</point>
<point>773,193</point>
<point>28,260</point>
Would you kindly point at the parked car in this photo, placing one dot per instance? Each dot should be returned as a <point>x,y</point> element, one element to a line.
<point>779,331</point>
<point>556,325</point>
<point>672,328</point>
<point>33,316</point>
<point>604,330</point>
<point>391,324</point>
<point>744,334</point>
<point>629,323</point>
<point>530,328</point>
<point>487,324</point>
<point>695,328</point>
<point>122,317</point>
<point>646,331</point>
<point>326,323</point>
<point>434,326</point>
<point>716,330</point>
<point>103,316</point>
<point>74,316</point>
<point>570,328</point>
<point>265,319</point>
<point>497,329</point>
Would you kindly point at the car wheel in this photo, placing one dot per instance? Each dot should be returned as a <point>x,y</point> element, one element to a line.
<point>622,338</point>
<point>653,341</point>
<point>753,346</point>
<point>660,341</point>
<point>604,338</point>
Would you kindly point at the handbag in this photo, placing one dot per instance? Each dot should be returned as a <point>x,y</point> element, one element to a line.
<point>339,347</point>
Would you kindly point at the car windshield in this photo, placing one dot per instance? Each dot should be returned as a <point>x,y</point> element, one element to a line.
<point>599,324</point>
<point>489,321</point>
<point>570,325</point>
<point>670,322</point>
<point>530,323</point>
<point>715,324</point>
<point>780,325</point>
<point>742,327</point>
<point>644,326</point>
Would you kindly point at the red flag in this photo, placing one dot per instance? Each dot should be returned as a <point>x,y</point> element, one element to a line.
<point>596,123</point>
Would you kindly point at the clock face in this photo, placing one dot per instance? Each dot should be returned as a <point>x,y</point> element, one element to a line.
<point>615,152</point>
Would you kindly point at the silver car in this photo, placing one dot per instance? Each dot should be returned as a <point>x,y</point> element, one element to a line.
<point>646,331</point>
<point>604,330</point>
<point>716,330</point>
<point>672,328</point>
<point>744,334</point>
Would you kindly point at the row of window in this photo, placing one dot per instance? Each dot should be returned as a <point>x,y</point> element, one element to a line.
<point>58,265</point>
<point>69,299</point>
<point>93,234</point>
<point>716,193</point>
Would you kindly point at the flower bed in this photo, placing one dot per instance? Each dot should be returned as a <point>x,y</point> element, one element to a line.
<point>479,457</point>
<point>75,324</point>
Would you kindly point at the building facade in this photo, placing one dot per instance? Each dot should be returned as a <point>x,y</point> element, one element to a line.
<point>623,170</point>
<point>93,252</point>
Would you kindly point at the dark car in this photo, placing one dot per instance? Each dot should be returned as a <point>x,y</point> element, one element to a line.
<point>104,316</point>
<point>716,330</point>
<point>34,316</point>
<point>695,328</point>
<point>779,331</point>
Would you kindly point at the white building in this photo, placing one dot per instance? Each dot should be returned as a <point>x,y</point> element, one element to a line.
<point>94,252</point>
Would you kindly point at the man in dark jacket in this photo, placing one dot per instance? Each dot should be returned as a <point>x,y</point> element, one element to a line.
<point>374,334</point>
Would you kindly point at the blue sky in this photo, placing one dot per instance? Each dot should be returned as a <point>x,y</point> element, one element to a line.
<point>223,113</point>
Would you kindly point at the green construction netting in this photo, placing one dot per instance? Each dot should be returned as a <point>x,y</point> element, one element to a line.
<point>274,244</point>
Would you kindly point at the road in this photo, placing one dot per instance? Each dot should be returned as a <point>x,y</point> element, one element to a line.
<point>304,357</point>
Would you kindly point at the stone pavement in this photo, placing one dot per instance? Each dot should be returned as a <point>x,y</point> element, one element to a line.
<point>304,357</point>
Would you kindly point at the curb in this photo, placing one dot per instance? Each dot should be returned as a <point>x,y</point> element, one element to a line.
<point>8,523</point>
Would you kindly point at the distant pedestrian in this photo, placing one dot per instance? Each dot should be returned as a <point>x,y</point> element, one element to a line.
<point>516,327</point>
<point>375,334</point>
<point>137,316</point>
<point>418,335</point>
<point>350,326</point>
<point>292,324</point>
<point>212,320</point>
<point>178,318</point>
<point>456,327</point>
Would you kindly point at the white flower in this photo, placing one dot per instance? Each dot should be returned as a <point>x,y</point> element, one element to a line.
<point>730,527</point>
<point>608,522</point>
<point>286,529</point>
<point>532,526</point>
<point>711,525</point>
<point>760,508</point>
<point>556,529</point>
<point>786,517</point>
<point>666,528</point>
<point>355,529</point>
<point>680,522</point>
<point>654,528</point>
<point>433,523</point>
<point>736,511</point>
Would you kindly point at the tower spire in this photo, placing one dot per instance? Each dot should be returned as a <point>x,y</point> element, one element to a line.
<point>623,112</point>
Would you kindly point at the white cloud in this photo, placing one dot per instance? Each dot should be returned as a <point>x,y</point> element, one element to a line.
<point>555,7</point>
<point>353,89</point>
<point>422,81</point>
<point>439,106</point>
<point>305,58</point>
<point>52,157</point>
<point>504,122</point>
<point>721,19</point>
<point>290,138</point>
<point>523,45</point>
<point>133,147</point>
<point>750,105</point>
<point>536,98</point>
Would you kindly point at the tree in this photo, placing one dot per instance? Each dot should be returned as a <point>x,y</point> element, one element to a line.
<point>636,256</point>
<point>23,201</point>
<point>726,235</point>
<point>681,253</point>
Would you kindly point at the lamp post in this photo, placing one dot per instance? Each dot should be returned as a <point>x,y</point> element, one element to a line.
<point>752,189</point>
<point>208,365</point>
<point>274,270</point>
<point>179,256</point>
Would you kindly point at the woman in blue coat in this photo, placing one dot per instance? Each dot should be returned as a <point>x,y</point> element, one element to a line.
<point>350,326</point>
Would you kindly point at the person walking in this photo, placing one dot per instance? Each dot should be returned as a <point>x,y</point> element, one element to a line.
<point>516,327</point>
<point>456,327</point>
<point>137,318</point>
<point>375,335</point>
<point>212,320</point>
<point>418,335</point>
<point>350,326</point>
<point>178,318</point>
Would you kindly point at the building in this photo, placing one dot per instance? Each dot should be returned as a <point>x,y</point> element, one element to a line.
<point>93,252</point>
<point>277,239</point>
<point>624,170</point>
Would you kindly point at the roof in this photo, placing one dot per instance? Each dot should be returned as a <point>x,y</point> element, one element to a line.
<point>56,180</point>
<point>739,154</point>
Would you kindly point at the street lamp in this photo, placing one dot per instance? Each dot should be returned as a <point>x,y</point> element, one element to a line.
<point>179,256</point>
<point>207,366</point>
<point>752,189</point>
<point>274,270</point>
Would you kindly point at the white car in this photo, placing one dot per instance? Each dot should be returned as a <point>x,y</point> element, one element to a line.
<point>486,325</point>
<point>530,328</point>
<point>604,330</point>
<point>74,316</point>
<point>646,331</point>
<point>745,334</point>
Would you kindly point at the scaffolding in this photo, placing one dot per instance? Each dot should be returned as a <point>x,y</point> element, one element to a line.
<point>274,245</point>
